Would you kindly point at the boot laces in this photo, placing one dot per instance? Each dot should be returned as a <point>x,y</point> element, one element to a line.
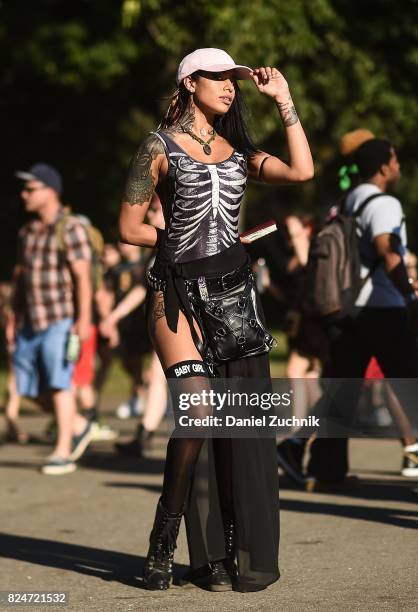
<point>218,567</point>
<point>166,542</point>
<point>229,537</point>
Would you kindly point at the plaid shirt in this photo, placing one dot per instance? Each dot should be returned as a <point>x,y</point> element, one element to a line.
<point>48,283</point>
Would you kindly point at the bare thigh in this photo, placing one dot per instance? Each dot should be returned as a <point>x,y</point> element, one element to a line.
<point>170,347</point>
<point>173,348</point>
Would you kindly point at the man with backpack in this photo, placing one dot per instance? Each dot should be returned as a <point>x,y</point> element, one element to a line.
<point>51,310</point>
<point>379,318</point>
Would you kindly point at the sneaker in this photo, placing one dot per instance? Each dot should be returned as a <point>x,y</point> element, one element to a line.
<point>58,465</point>
<point>410,461</point>
<point>102,432</point>
<point>290,458</point>
<point>127,410</point>
<point>81,442</point>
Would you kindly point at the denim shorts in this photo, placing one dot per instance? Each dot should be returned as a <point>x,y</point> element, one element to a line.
<point>39,359</point>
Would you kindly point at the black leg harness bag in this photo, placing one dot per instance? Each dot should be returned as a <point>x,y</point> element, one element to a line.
<point>228,311</point>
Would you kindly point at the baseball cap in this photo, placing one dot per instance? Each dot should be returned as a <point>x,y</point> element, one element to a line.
<point>44,173</point>
<point>211,60</point>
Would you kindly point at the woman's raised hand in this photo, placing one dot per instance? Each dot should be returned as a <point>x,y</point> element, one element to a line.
<point>271,82</point>
<point>270,168</point>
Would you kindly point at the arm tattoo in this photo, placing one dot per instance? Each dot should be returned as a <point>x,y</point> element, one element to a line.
<point>139,185</point>
<point>288,112</point>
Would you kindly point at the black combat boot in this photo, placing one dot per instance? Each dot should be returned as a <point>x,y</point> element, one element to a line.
<point>218,575</point>
<point>230,547</point>
<point>158,570</point>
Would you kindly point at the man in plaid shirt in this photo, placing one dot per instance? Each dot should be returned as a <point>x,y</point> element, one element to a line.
<point>53,296</point>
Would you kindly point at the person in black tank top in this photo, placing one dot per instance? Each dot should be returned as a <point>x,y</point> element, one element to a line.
<point>198,161</point>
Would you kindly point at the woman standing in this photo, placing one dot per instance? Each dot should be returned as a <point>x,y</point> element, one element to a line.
<point>198,162</point>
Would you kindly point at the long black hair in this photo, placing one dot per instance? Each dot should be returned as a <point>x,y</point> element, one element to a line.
<point>231,126</point>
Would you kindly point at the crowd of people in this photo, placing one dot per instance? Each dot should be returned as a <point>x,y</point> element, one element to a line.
<point>76,303</point>
<point>377,339</point>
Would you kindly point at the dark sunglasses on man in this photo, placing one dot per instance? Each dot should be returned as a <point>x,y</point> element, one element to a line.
<point>30,189</point>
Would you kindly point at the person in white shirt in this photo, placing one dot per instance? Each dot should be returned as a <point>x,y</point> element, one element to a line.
<point>384,323</point>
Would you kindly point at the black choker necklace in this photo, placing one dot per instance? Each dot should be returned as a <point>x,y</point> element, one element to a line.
<point>206,148</point>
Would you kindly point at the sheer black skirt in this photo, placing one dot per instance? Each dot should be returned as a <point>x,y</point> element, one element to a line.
<point>251,466</point>
<point>255,498</point>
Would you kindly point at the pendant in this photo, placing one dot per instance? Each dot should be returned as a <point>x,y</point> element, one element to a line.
<point>207,149</point>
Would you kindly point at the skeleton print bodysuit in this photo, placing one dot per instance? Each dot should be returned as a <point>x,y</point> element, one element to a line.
<point>201,204</point>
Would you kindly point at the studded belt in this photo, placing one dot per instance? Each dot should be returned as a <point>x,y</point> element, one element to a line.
<point>214,285</point>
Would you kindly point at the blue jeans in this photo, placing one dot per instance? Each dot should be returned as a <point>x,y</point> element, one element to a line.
<point>40,361</point>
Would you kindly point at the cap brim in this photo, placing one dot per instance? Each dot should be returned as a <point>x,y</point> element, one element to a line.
<point>25,176</point>
<point>242,72</point>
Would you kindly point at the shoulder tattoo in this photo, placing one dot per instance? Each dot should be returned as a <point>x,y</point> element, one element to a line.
<point>139,185</point>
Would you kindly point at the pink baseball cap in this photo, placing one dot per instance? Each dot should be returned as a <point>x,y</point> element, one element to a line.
<point>212,60</point>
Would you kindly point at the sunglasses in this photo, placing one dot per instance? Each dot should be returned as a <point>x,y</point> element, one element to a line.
<point>30,189</point>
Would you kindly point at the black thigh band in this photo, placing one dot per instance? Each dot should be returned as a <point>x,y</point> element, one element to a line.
<point>187,369</point>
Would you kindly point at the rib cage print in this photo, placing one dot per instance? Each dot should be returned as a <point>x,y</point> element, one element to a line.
<point>207,199</point>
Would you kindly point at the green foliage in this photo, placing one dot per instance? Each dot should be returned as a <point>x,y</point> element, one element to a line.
<point>83,81</point>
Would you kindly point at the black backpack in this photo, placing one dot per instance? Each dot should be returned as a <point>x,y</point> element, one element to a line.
<point>333,279</point>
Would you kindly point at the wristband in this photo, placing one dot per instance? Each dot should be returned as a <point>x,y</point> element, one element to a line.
<point>411,297</point>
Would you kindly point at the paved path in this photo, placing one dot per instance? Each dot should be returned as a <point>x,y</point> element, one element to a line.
<point>86,533</point>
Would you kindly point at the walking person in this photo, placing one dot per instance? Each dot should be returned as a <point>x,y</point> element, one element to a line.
<point>198,162</point>
<point>44,312</point>
<point>106,346</point>
<point>384,323</point>
<point>155,403</point>
<point>127,282</point>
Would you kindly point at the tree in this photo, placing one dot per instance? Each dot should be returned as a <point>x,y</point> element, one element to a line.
<point>83,82</point>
